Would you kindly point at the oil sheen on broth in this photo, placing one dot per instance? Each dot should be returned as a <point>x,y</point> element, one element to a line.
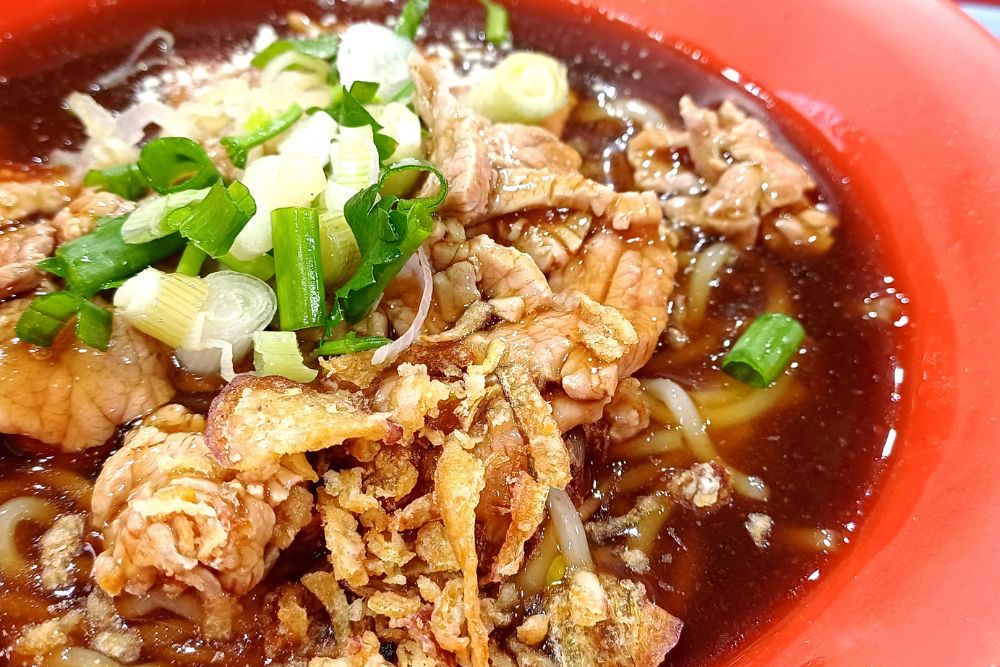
<point>818,446</point>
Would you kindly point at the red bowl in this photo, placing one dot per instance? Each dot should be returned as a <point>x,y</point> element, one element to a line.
<point>904,97</point>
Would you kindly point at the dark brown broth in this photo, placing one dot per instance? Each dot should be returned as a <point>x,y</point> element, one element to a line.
<point>821,456</point>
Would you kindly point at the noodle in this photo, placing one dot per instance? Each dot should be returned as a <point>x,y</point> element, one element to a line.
<point>647,529</point>
<point>568,529</point>
<point>532,577</point>
<point>696,435</point>
<point>749,406</point>
<point>706,271</point>
<point>653,443</point>
<point>12,514</point>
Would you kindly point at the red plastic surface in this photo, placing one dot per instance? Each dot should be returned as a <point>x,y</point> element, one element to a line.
<point>905,97</point>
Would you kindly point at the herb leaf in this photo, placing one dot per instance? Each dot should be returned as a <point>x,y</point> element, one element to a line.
<point>348,110</point>
<point>388,231</point>
<point>323,47</point>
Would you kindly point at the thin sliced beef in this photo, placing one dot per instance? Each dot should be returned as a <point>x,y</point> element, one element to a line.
<point>22,199</point>
<point>71,396</point>
<point>739,179</point>
<point>174,520</point>
<point>20,252</point>
<point>493,170</point>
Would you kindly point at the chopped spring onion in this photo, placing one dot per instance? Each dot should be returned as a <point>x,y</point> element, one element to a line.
<point>276,181</point>
<point>151,220</point>
<point>497,25</point>
<point>125,181</point>
<point>404,127</point>
<point>340,253</point>
<point>191,261</point>
<point>526,87</point>
<point>350,112</point>
<point>764,349</point>
<point>277,353</point>
<point>172,164</point>
<point>261,267</point>
<point>299,270</point>
<point>214,223</point>
<point>349,344</point>
<point>93,325</point>
<point>237,306</point>
<point>409,20</point>
<point>311,136</point>
<point>388,231</point>
<point>372,52</point>
<point>163,305</point>
<point>49,313</point>
<point>258,119</point>
<point>239,146</point>
<point>98,259</point>
<point>355,162</point>
<point>322,47</point>
<point>45,317</point>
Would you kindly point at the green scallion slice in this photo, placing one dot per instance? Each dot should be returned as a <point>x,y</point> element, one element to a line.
<point>349,344</point>
<point>93,325</point>
<point>239,146</point>
<point>214,223</point>
<point>497,25</point>
<point>298,268</point>
<point>172,164</point>
<point>125,181</point>
<point>409,20</point>
<point>94,261</point>
<point>259,267</point>
<point>46,316</point>
<point>764,349</point>
<point>323,47</point>
<point>191,261</point>
<point>277,353</point>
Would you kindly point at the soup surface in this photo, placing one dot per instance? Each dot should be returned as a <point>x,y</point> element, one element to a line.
<point>723,500</point>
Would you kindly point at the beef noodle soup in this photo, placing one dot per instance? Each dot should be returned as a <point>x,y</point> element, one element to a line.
<point>368,338</point>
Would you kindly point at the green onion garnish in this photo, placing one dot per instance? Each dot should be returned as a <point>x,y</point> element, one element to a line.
<point>96,260</point>
<point>298,268</point>
<point>388,230</point>
<point>323,47</point>
<point>497,26</point>
<point>172,164</point>
<point>45,317</point>
<point>125,181</point>
<point>214,223</point>
<point>239,146</point>
<point>764,349</point>
<point>409,20</point>
<point>260,267</point>
<point>93,325</point>
<point>49,313</point>
<point>349,111</point>
<point>191,260</point>
<point>349,344</point>
<point>277,353</point>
